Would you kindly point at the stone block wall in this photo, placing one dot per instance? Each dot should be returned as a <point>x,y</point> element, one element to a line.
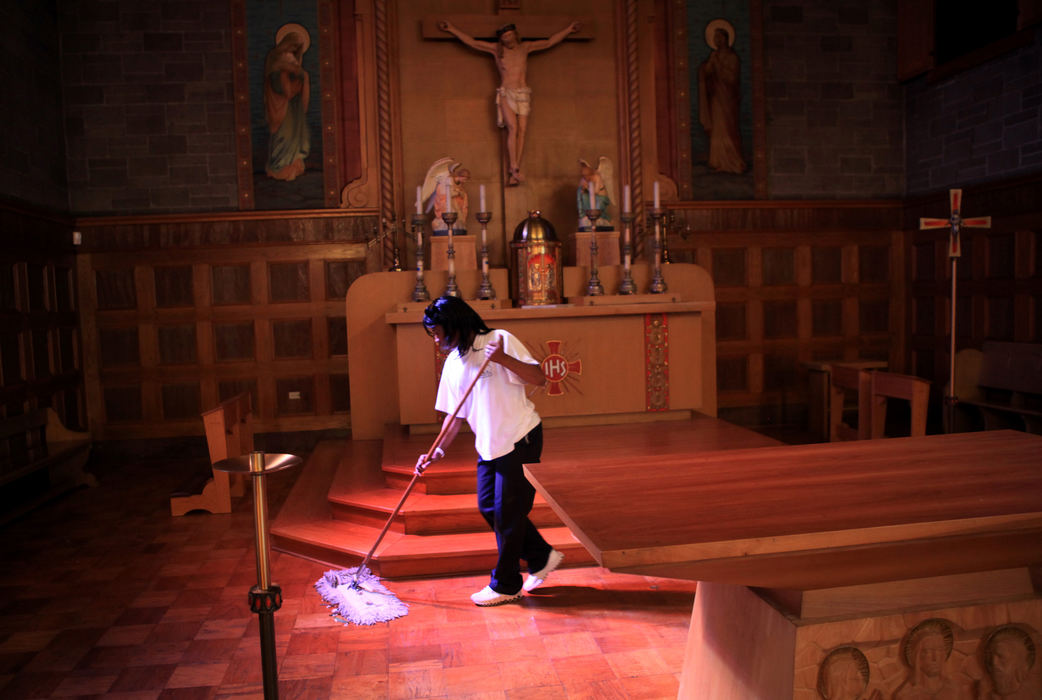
<point>148,106</point>
<point>982,124</point>
<point>835,123</point>
<point>32,150</point>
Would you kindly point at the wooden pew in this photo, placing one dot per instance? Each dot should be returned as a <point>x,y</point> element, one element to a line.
<point>229,433</point>
<point>39,459</point>
<point>1002,384</point>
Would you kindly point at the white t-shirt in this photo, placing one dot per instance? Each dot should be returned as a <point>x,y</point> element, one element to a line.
<point>498,409</point>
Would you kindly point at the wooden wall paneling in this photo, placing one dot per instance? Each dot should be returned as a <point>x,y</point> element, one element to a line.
<point>259,283</point>
<point>88,302</point>
<point>1024,329</point>
<point>897,341</point>
<point>754,279</point>
<point>804,303</point>
<point>210,394</point>
<point>230,284</point>
<point>173,286</point>
<point>190,357</point>
<point>813,282</point>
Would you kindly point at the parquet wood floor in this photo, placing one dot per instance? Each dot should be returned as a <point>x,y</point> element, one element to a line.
<point>104,595</point>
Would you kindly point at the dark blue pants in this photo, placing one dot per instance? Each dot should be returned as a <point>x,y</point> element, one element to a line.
<point>505,499</point>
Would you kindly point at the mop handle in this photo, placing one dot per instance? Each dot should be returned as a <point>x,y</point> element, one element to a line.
<point>430,453</point>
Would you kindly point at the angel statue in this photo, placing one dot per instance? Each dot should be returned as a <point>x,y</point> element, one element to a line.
<point>444,185</point>
<point>603,181</point>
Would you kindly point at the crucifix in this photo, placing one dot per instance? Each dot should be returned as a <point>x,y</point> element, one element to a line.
<point>955,222</point>
<point>500,36</point>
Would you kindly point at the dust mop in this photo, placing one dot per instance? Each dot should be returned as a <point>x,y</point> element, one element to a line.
<point>356,595</point>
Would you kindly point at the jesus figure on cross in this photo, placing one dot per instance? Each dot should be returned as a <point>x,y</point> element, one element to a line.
<point>513,97</point>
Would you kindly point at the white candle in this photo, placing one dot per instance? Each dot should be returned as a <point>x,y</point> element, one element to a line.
<point>482,191</point>
<point>419,204</point>
<point>626,199</point>
<point>448,197</point>
<point>656,196</point>
<point>593,200</point>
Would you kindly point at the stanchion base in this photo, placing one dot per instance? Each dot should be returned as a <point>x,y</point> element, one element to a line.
<point>265,600</point>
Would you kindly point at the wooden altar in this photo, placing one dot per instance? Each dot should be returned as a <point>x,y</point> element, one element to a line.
<point>809,553</point>
<point>599,360</point>
<point>605,363</point>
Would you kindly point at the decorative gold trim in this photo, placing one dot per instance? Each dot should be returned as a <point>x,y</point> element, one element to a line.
<point>656,361</point>
<point>681,96</point>
<point>759,111</point>
<point>329,77</point>
<point>241,83</point>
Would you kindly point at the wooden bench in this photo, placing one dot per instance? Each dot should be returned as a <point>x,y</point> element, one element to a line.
<point>1000,386</point>
<point>229,433</point>
<point>39,459</point>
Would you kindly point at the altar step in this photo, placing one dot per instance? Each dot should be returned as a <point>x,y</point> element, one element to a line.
<point>348,490</point>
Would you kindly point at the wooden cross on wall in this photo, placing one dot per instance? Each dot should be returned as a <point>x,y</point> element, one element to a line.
<point>956,222</point>
<point>508,12</point>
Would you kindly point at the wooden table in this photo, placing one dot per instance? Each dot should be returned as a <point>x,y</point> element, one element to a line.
<point>822,531</point>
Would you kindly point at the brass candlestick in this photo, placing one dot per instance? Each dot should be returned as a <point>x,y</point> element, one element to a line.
<point>485,291</point>
<point>627,285</point>
<point>451,289</point>
<point>594,288</point>
<point>419,292</point>
<point>666,226</point>
<point>658,285</point>
<point>396,262</point>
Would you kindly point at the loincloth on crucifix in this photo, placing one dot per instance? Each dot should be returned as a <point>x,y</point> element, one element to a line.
<point>517,100</point>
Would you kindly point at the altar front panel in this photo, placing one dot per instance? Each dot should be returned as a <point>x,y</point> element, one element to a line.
<point>599,361</point>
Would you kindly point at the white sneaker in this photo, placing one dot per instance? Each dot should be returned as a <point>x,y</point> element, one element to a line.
<point>536,578</point>
<point>487,597</point>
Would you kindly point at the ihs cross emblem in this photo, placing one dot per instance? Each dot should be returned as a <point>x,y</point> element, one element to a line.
<point>558,368</point>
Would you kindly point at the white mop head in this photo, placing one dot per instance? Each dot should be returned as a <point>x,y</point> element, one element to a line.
<point>358,597</point>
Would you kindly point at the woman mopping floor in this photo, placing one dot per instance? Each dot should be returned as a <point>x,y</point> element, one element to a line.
<point>508,433</point>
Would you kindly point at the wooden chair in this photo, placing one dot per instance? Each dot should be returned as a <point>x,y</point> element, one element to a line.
<point>889,385</point>
<point>229,433</point>
<point>844,381</point>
